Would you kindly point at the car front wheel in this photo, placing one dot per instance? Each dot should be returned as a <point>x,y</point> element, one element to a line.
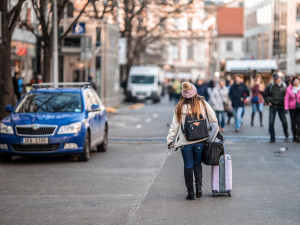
<point>85,156</point>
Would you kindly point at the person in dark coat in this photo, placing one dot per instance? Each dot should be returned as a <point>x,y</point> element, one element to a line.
<point>274,97</point>
<point>202,89</point>
<point>238,93</point>
<point>16,85</point>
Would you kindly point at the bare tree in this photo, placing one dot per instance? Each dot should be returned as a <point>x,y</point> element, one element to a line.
<point>10,18</point>
<point>43,12</point>
<point>137,29</point>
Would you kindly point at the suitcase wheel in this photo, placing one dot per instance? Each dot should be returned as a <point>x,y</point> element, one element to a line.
<point>214,193</point>
<point>229,193</point>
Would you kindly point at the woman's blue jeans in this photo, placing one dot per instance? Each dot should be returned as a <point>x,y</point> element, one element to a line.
<point>257,106</point>
<point>192,154</point>
<point>222,120</point>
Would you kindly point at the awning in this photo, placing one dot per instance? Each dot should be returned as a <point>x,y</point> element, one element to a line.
<point>240,66</point>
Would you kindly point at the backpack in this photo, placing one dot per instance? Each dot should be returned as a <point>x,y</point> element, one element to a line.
<point>194,129</point>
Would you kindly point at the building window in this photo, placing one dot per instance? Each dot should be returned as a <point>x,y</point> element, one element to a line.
<point>176,23</point>
<point>190,53</point>
<point>190,24</point>
<point>98,36</point>
<point>297,36</point>
<point>163,24</point>
<point>298,12</point>
<point>175,52</point>
<point>229,46</point>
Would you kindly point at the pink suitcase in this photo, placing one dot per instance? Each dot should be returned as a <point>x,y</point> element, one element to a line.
<point>221,176</point>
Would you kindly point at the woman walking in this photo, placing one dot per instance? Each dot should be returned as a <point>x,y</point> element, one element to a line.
<point>257,99</point>
<point>219,98</point>
<point>194,105</point>
<point>292,103</point>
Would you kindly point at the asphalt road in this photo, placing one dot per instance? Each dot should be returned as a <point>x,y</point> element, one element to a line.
<point>136,182</point>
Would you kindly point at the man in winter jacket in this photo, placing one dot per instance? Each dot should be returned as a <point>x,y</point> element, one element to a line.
<point>202,89</point>
<point>238,93</point>
<point>274,97</point>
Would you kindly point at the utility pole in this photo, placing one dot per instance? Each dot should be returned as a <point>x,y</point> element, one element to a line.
<point>55,44</point>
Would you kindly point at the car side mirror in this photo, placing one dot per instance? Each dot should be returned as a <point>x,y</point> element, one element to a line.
<point>95,108</point>
<point>8,108</point>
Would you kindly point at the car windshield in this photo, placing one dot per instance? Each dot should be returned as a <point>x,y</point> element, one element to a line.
<point>142,79</point>
<point>50,103</point>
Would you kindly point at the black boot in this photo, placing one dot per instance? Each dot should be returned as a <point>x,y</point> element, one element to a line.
<point>261,119</point>
<point>252,119</point>
<point>198,180</point>
<point>188,176</point>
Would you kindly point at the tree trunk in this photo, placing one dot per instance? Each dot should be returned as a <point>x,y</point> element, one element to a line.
<point>7,96</point>
<point>47,57</point>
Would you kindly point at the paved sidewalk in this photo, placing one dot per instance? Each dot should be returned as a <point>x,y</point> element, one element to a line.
<point>266,190</point>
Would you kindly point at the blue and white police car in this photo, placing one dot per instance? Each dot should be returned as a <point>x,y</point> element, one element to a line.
<point>55,119</point>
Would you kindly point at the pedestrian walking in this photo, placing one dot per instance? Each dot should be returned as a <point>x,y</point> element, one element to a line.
<point>17,84</point>
<point>274,97</point>
<point>202,89</point>
<point>238,93</point>
<point>230,111</point>
<point>257,99</point>
<point>220,102</point>
<point>194,105</point>
<point>292,104</point>
<point>176,91</point>
<point>170,90</point>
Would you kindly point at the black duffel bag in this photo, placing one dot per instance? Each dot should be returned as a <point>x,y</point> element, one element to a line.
<point>211,153</point>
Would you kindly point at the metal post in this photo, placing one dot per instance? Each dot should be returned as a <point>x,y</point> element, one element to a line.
<point>55,44</point>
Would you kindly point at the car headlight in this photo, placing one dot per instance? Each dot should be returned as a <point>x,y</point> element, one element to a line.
<point>70,129</point>
<point>4,129</point>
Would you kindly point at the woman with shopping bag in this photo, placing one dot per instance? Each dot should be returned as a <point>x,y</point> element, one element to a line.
<point>189,131</point>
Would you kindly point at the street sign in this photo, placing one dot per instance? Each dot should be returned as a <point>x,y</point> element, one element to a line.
<point>79,28</point>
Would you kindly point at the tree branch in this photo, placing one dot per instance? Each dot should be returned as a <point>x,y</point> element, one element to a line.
<point>14,15</point>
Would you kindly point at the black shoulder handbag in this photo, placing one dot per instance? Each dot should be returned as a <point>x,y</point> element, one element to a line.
<point>297,103</point>
<point>194,129</point>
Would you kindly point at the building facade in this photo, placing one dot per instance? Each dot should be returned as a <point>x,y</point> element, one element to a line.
<point>183,49</point>
<point>228,40</point>
<point>272,32</point>
<point>90,53</point>
<point>23,44</point>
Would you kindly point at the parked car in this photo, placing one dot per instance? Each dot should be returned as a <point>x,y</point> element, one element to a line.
<point>52,120</point>
<point>145,82</point>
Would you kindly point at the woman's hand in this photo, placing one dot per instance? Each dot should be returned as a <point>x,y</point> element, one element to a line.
<point>171,145</point>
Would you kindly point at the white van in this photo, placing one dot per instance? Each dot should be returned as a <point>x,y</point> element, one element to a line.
<point>145,82</point>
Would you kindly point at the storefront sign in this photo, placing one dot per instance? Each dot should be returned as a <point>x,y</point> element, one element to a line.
<point>18,48</point>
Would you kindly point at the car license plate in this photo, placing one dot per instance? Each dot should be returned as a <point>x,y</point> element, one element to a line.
<point>27,141</point>
<point>141,96</point>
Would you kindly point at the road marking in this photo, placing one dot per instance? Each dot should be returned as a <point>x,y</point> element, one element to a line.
<point>136,208</point>
<point>139,126</point>
<point>148,120</point>
<point>163,139</point>
<point>155,115</point>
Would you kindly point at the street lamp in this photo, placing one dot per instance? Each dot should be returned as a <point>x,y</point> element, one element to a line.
<point>217,74</point>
